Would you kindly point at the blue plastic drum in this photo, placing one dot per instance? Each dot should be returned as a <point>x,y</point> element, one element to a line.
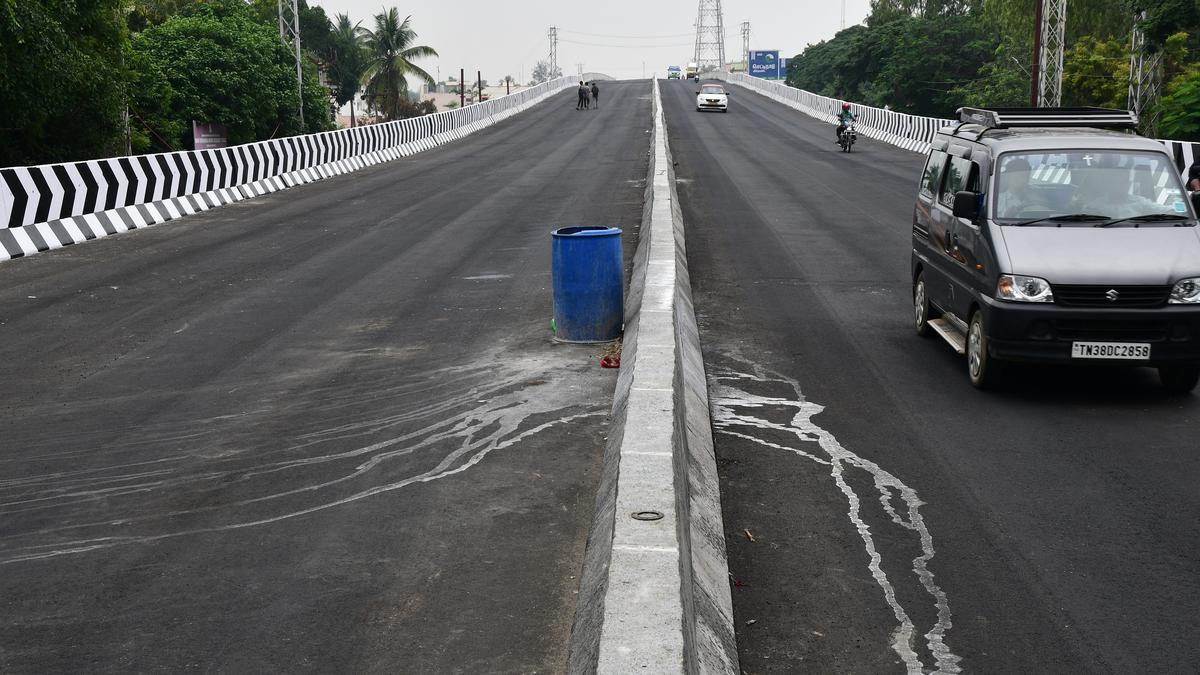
<point>586,275</point>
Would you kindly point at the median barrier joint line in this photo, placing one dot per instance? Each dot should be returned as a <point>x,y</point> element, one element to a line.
<point>654,594</point>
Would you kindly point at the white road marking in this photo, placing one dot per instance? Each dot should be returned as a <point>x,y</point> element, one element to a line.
<point>739,407</point>
<point>439,423</point>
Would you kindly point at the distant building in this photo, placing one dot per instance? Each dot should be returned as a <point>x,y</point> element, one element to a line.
<point>445,94</point>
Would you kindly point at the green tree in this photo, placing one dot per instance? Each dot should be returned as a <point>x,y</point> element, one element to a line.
<point>390,55</point>
<point>1096,73</point>
<point>911,63</point>
<point>224,66</point>
<point>1165,17</point>
<point>346,59</point>
<point>543,72</point>
<point>62,89</point>
<point>1181,107</point>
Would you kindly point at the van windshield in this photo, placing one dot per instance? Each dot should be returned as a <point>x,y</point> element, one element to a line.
<point>1102,184</point>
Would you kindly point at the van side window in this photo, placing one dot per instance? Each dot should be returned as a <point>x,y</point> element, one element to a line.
<point>933,173</point>
<point>962,174</point>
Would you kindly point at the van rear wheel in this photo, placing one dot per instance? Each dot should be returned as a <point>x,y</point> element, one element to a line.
<point>983,370</point>
<point>1179,379</point>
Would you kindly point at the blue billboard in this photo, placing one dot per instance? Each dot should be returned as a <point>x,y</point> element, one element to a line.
<point>764,64</point>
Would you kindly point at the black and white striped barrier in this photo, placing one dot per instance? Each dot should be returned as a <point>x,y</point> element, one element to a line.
<point>911,132</point>
<point>55,205</point>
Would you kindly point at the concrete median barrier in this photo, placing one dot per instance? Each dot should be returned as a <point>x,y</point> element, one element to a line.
<point>654,594</point>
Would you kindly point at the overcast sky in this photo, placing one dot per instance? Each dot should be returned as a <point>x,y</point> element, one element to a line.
<point>615,37</point>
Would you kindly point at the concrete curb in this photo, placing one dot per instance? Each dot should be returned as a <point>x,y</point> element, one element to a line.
<point>654,594</point>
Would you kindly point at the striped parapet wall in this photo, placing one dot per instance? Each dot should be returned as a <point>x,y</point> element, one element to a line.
<point>911,132</point>
<point>55,205</point>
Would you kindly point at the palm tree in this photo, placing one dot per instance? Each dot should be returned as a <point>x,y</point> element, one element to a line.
<point>390,54</point>
<point>347,59</point>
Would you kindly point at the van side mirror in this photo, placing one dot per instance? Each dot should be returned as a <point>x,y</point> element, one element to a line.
<point>966,205</point>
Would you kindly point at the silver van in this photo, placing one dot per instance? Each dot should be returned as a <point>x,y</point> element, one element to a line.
<point>1057,235</point>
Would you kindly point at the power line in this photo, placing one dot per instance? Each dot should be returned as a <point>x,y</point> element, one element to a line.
<point>630,37</point>
<point>598,44</point>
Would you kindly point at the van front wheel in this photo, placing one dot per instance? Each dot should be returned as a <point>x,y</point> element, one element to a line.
<point>1179,379</point>
<point>983,370</point>
<point>921,305</point>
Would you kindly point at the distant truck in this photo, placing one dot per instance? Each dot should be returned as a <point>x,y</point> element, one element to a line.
<point>673,73</point>
<point>693,71</point>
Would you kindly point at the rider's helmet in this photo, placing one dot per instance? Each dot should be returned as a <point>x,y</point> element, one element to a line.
<point>845,106</point>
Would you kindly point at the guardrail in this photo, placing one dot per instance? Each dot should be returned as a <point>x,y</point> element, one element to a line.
<point>54,205</point>
<point>911,132</point>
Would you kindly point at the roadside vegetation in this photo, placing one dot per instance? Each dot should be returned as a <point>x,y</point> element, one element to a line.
<point>928,57</point>
<point>95,78</point>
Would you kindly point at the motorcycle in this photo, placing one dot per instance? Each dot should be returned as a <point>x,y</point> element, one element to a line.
<point>848,137</point>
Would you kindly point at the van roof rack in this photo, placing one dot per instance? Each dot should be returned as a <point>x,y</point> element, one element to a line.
<point>1008,118</point>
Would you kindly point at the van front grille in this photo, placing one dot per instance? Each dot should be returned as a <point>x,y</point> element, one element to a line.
<point>1111,296</point>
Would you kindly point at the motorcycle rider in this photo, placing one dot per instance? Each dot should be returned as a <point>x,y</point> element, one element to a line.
<point>844,118</point>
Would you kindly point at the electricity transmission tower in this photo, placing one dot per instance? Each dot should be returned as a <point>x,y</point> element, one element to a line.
<point>1050,60</point>
<point>746,44</point>
<point>710,36</point>
<point>553,58</point>
<point>1145,79</point>
<point>289,25</point>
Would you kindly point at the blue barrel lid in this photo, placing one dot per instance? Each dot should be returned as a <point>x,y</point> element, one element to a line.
<point>586,231</point>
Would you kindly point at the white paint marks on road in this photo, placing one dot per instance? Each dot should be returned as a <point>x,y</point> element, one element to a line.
<point>751,405</point>
<point>488,277</point>
<point>426,426</point>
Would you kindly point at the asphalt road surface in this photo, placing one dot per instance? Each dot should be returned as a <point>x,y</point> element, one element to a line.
<point>326,430</point>
<point>881,514</point>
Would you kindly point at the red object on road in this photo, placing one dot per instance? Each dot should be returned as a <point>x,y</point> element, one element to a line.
<point>613,361</point>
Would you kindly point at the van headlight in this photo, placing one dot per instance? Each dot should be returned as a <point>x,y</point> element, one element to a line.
<point>1017,288</point>
<point>1186,292</point>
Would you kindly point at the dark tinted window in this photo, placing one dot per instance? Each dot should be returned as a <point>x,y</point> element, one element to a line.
<point>933,172</point>
<point>962,174</point>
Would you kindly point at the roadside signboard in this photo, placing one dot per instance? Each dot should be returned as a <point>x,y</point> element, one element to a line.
<point>210,136</point>
<point>765,64</point>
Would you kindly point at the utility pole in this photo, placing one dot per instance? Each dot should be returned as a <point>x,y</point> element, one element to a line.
<point>710,36</point>
<point>462,88</point>
<point>746,44</point>
<point>1036,78</point>
<point>843,14</point>
<point>553,34</point>
<point>289,24</point>
<point>1053,42</point>
<point>479,81</point>
<point>1145,79</point>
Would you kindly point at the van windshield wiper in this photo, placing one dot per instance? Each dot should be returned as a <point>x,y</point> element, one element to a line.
<point>1067,218</point>
<point>1148,218</point>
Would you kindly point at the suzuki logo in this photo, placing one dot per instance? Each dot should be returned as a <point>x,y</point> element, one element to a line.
<point>1112,295</point>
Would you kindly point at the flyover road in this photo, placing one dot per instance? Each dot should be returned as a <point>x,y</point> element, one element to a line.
<point>900,519</point>
<point>326,430</point>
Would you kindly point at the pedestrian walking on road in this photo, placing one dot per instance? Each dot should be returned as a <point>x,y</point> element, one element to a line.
<point>582,96</point>
<point>596,94</point>
<point>587,95</point>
